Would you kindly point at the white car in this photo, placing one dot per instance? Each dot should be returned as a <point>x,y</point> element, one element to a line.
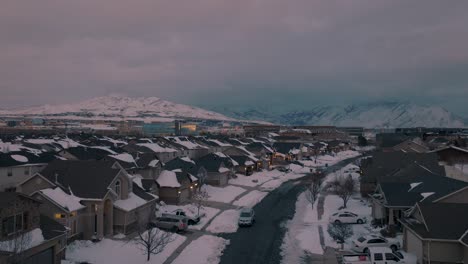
<point>362,244</point>
<point>347,218</point>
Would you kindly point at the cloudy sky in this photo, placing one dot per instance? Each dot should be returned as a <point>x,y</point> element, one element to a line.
<point>209,52</point>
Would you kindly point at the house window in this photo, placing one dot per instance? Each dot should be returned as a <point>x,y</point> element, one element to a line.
<point>12,224</point>
<point>9,172</point>
<point>118,188</point>
<point>59,216</point>
<point>26,170</point>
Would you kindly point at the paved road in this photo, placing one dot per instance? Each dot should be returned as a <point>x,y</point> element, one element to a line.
<point>262,242</point>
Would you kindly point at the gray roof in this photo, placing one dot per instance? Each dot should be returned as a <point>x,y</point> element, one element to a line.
<point>86,179</point>
<point>444,221</point>
<point>179,163</point>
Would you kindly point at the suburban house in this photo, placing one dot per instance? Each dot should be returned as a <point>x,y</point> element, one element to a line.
<point>186,164</point>
<point>455,161</point>
<point>246,161</point>
<point>262,152</point>
<point>26,236</point>
<point>176,187</point>
<point>17,166</point>
<point>218,166</point>
<point>215,144</point>
<point>412,145</point>
<point>112,203</point>
<point>437,232</point>
<point>189,147</point>
<point>86,153</point>
<point>163,150</point>
<point>286,151</point>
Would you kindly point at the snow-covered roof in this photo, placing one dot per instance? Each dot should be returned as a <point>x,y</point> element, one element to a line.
<point>168,179</point>
<point>156,148</point>
<point>125,157</point>
<point>186,143</point>
<point>249,163</point>
<point>66,201</point>
<point>39,141</point>
<point>414,185</point>
<point>294,151</point>
<point>19,158</point>
<point>221,144</point>
<point>153,163</point>
<point>131,203</point>
<point>193,178</point>
<point>425,195</point>
<point>220,154</point>
<point>187,159</point>
<point>223,169</point>
<point>106,149</point>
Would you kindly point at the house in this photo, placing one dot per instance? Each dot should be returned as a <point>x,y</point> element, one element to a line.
<point>86,153</point>
<point>386,141</point>
<point>218,166</point>
<point>437,232</point>
<point>401,192</point>
<point>214,144</point>
<point>263,152</point>
<point>412,145</point>
<point>176,187</point>
<point>455,161</point>
<point>26,236</point>
<point>186,164</point>
<point>112,202</point>
<point>188,146</point>
<point>285,151</point>
<point>163,149</point>
<point>17,166</point>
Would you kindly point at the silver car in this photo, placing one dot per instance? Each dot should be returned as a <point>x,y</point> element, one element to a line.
<point>174,223</point>
<point>246,217</point>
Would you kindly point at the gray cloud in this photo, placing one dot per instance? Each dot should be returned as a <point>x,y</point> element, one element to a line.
<point>239,52</point>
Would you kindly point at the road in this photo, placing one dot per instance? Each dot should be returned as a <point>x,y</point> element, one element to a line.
<point>262,242</point>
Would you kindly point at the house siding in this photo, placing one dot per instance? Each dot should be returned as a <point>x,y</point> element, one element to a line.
<point>455,173</point>
<point>217,178</point>
<point>412,244</point>
<point>465,254</point>
<point>33,184</point>
<point>19,174</point>
<point>443,252</point>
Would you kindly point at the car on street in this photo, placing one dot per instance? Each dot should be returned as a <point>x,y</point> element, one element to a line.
<point>379,255</point>
<point>246,217</point>
<point>364,243</point>
<point>347,218</point>
<point>175,223</point>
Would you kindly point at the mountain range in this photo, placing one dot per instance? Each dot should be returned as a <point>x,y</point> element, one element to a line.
<point>153,109</point>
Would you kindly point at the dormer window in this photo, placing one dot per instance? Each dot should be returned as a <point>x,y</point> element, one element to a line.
<point>118,188</point>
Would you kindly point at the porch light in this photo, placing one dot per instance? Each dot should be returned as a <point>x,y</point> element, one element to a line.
<point>179,192</point>
<point>196,184</point>
<point>191,187</point>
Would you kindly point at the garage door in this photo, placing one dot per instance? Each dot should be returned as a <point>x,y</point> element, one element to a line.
<point>184,195</point>
<point>414,245</point>
<point>44,257</point>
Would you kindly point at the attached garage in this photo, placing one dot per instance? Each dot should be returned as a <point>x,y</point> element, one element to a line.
<point>44,257</point>
<point>413,245</point>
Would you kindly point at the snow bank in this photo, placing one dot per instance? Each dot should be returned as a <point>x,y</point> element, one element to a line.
<point>204,250</point>
<point>223,195</point>
<point>121,252</point>
<point>29,240</point>
<point>168,179</point>
<point>226,222</point>
<point>69,202</point>
<point>250,199</point>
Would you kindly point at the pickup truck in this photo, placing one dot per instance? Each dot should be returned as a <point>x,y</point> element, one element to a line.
<point>379,255</point>
<point>191,220</point>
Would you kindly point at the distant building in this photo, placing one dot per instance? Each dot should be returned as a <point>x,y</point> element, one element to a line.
<point>352,131</point>
<point>260,130</point>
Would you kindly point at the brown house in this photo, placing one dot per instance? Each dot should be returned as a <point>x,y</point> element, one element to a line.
<point>25,235</point>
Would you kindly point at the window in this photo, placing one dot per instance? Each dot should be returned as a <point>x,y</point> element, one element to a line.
<point>25,220</point>
<point>118,188</point>
<point>9,172</point>
<point>12,224</point>
<point>59,216</point>
<point>26,170</point>
<point>378,256</point>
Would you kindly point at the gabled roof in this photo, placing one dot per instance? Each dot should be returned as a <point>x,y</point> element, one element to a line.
<point>50,228</point>
<point>285,147</point>
<point>85,179</point>
<point>89,153</point>
<point>451,147</point>
<point>445,221</point>
<point>182,164</point>
<point>20,158</point>
<point>212,162</point>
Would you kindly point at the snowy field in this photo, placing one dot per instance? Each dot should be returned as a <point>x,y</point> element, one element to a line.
<point>223,195</point>
<point>329,159</point>
<point>110,251</point>
<point>260,178</point>
<point>250,199</point>
<point>204,250</point>
<point>206,213</point>
<point>226,222</point>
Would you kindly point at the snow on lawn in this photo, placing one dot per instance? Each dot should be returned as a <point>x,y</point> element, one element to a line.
<point>330,159</point>
<point>250,199</point>
<point>204,250</point>
<point>122,251</point>
<point>226,222</point>
<point>206,213</point>
<point>260,178</point>
<point>271,185</point>
<point>223,195</point>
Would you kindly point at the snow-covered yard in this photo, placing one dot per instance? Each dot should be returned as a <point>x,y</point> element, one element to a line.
<point>250,199</point>
<point>205,250</point>
<point>206,213</point>
<point>113,251</point>
<point>256,178</point>
<point>223,195</point>
<point>329,159</point>
<point>226,222</point>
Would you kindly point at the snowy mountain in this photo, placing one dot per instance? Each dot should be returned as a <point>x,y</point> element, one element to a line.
<point>371,115</point>
<point>115,107</point>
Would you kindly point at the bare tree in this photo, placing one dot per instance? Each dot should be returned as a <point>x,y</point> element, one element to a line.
<point>344,187</point>
<point>150,240</point>
<point>339,232</point>
<point>17,247</point>
<point>199,199</point>
<point>313,190</point>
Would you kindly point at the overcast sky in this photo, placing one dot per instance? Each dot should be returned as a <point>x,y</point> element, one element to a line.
<point>237,51</point>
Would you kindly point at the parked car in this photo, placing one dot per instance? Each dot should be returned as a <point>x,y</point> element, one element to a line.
<point>363,244</point>
<point>246,217</point>
<point>378,255</point>
<point>347,218</point>
<point>174,223</point>
<point>191,219</point>
<point>283,169</point>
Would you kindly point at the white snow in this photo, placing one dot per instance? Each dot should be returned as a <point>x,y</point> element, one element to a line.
<point>223,194</point>
<point>168,179</point>
<point>226,222</point>
<point>153,163</point>
<point>106,149</point>
<point>187,159</point>
<point>249,163</point>
<point>68,143</point>
<point>131,203</point>
<point>125,157</point>
<point>250,199</point>
<point>29,240</point>
<point>40,141</point>
<point>193,178</point>
<point>221,144</point>
<point>205,250</point>
<point>223,169</point>
<point>260,178</point>
<point>19,158</point>
<point>157,148</point>
<point>122,251</point>
<point>414,185</point>
<point>425,195</point>
<point>186,143</point>
<point>221,155</point>
<point>67,201</point>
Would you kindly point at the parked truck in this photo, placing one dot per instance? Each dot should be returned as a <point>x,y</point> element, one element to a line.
<point>380,255</point>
